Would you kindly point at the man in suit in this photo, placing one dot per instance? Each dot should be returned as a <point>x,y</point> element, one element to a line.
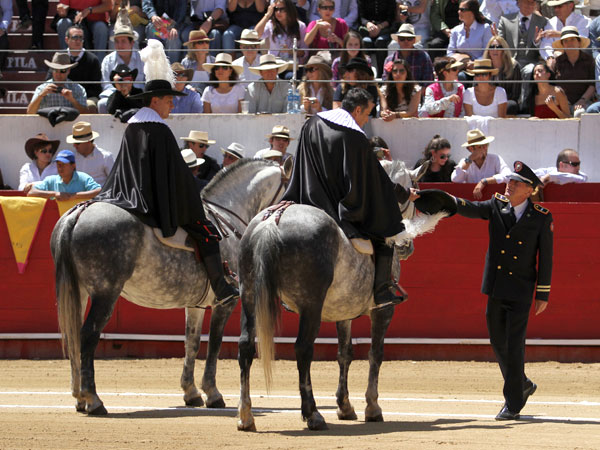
<point>520,233</point>
<point>523,30</point>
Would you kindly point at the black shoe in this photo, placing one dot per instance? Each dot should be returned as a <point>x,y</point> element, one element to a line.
<point>505,414</point>
<point>24,25</point>
<point>528,391</point>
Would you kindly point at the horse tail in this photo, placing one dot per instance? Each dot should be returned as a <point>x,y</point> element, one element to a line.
<point>266,257</point>
<point>68,295</point>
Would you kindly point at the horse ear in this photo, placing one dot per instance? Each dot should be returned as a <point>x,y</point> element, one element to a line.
<point>288,164</point>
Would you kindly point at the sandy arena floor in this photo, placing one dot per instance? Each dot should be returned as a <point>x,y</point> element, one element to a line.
<point>426,405</point>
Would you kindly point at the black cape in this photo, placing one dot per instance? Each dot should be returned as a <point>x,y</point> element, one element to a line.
<point>336,171</point>
<point>151,180</point>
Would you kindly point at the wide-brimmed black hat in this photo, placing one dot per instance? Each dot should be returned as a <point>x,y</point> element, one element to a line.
<point>157,88</point>
<point>432,201</point>
<point>358,64</point>
<point>523,173</point>
<point>123,71</point>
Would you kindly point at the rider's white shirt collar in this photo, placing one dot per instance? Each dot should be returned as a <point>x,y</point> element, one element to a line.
<point>341,117</point>
<point>146,114</point>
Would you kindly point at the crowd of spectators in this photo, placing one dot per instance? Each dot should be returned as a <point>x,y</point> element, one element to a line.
<point>432,58</point>
<point>527,58</point>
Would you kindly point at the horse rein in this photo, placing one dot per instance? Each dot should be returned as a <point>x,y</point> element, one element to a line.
<point>222,223</point>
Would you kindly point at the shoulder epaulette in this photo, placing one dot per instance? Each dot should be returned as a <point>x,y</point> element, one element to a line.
<point>540,208</point>
<point>501,197</point>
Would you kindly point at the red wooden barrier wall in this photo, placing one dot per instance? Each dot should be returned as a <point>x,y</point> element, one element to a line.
<point>443,278</point>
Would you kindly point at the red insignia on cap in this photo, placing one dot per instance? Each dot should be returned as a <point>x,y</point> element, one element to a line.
<point>518,166</point>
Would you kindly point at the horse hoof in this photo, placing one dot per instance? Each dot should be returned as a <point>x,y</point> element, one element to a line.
<point>80,407</point>
<point>317,424</point>
<point>377,418</point>
<point>218,403</point>
<point>346,415</point>
<point>195,402</point>
<point>98,411</point>
<point>248,427</point>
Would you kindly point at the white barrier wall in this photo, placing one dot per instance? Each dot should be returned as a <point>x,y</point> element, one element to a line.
<point>534,141</point>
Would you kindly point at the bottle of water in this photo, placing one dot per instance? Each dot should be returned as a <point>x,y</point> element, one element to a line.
<point>296,94</point>
<point>290,101</point>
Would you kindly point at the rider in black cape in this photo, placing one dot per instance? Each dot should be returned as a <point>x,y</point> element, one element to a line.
<point>336,171</point>
<point>151,180</point>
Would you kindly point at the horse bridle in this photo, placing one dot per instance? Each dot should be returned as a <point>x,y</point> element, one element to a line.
<point>222,222</point>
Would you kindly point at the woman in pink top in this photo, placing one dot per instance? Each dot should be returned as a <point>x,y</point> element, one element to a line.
<point>327,32</point>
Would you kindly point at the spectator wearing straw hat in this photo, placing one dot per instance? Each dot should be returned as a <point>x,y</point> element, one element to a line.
<point>194,163</point>
<point>480,166</point>
<point>191,102</point>
<point>199,142</point>
<point>250,44</point>
<point>198,46</point>
<point>315,90</point>
<point>484,99</point>
<point>124,38</point>
<point>59,90</point>
<point>92,15</point>
<point>279,140</point>
<point>565,15</point>
<point>575,64</point>
<point>418,60</point>
<point>268,95</point>
<point>69,183</point>
<point>40,149</point>
<point>90,158</point>
<point>234,152</point>
<point>225,96</point>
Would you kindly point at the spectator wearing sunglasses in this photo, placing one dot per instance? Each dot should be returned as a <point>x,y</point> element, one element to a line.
<point>199,142</point>
<point>567,169</point>
<point>40,149</point>
<point>418,60</point>
<point>59,90</point>
<point>468,39</point>
<point>436,159</point>
<point>316,95</point>
<point>400,99</point>
<point>508,69</point>
<point>328,31</point>
<point>445,97</point>
<point>344,9</point>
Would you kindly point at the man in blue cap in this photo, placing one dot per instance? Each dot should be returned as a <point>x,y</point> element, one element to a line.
<point>518,262</point>
<point>68,184</point>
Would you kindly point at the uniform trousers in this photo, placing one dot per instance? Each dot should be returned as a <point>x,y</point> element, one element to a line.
<point>507,326</point>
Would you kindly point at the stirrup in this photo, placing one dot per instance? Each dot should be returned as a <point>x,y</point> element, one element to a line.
<point>227,300</point>
<point>403,297</point>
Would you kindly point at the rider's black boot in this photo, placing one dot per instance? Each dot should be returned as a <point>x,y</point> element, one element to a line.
<point>211,257</point>
<point>385,291</point>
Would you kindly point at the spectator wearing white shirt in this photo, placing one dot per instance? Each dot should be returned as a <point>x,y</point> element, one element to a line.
<point>225,96</point>
<point>250,44</point>
<point>567,169</point>
<point>480,167</point>
<point>40,149</point>
<point>565,15</point>
<point>90,158</point>
<point>494,9</point>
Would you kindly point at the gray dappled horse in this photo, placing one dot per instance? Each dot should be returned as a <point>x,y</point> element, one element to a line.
<point>308,263</point>
<point>103,251</point>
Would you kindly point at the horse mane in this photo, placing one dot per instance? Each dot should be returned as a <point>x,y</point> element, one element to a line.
<point>396,170</point>
<point>230,171</point>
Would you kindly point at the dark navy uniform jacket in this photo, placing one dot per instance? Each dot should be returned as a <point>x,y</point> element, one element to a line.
<point>519,259</point>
